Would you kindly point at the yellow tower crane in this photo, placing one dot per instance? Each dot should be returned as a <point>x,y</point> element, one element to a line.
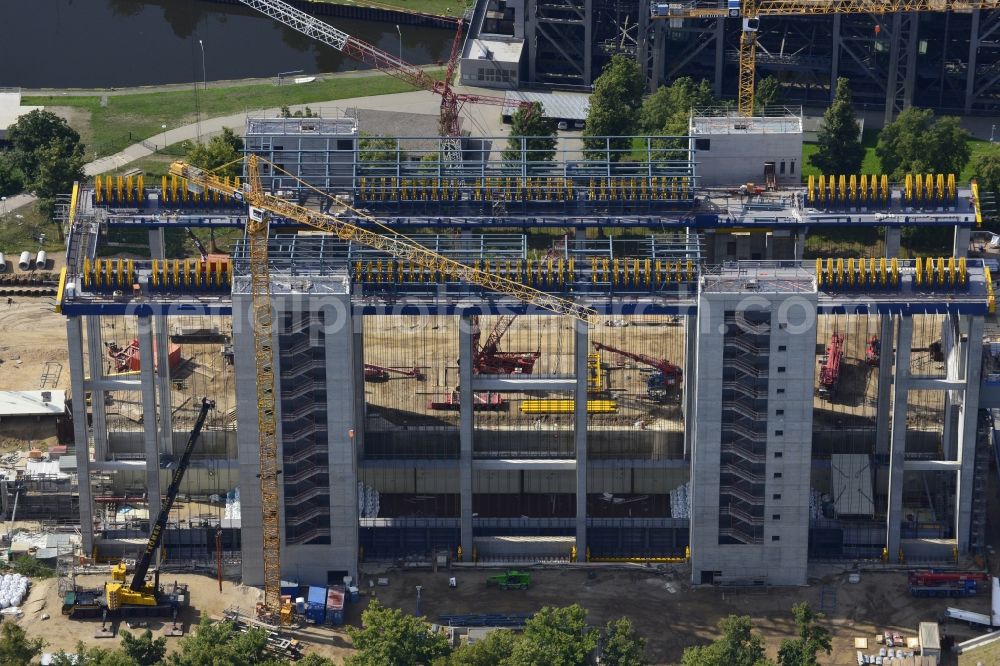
<point>751,11</point>
<point>262,206</point>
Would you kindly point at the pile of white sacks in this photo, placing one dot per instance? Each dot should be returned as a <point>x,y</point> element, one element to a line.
<point>680,501</point>
<point>13,589</point>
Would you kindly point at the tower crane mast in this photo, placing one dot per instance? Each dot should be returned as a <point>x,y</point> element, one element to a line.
<point>451,101</point>
<point>262,206</point>
<point>751,11</point>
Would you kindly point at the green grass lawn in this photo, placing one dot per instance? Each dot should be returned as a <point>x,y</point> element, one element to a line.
<point>437,7</point>
<point>871,163</point>
<point>127,119</point>
<point>21,229</point>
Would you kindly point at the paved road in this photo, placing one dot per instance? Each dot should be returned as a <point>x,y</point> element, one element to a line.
<point>479,120</point>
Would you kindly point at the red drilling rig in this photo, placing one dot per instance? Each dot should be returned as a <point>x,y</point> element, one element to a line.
<point>664,382</point>
<point>829,368</point>
<point>376,373</point>
<point>873,353</point>
<point>489,360</point>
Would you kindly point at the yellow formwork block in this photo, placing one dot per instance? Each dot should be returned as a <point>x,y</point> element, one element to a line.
<point>951,271</point>
<point>963,274</point>
<point>929,270</point>
<point>819,270</point>
<point>918,273</point>
<point>831,273</point>
<point>882,272</point>
<point>850,271</point>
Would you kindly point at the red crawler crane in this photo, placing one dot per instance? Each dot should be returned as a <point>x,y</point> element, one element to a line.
<point>376,373</point>
<point>829,369</point>
<point>667,378</point>
<point>873,353</point>
<point>488,358</point>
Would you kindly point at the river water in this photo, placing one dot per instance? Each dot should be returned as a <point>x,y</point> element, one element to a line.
<point>117,43</point>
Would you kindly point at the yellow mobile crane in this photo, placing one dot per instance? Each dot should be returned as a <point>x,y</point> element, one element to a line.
<point>750,12</point>
<point>262,206</point>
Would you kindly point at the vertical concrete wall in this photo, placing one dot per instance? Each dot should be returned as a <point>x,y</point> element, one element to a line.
<point>723,158</point>
<point>782,557</point>
<point>246,441</point>
<point>312,563</point>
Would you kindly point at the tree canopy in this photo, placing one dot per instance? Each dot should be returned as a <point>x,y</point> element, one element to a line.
<point>767,93</point>
<point>986,169</point>
<point>614,107</point>
<point>16,649</point>
<point>555,637</point>
<point>666,111</point>
<point>621,646</point>
<point>839,137</point>
<point>46,156</point>
<point>531,121</point>
<point>377,148</point>
<point>812,639</point>
<point>739,646</point>
<point>224,150</point>
<point>390,637</point>
<point>917,142</point>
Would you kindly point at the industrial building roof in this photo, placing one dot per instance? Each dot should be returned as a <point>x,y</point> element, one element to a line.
<point>851,482</point>
<point>305,126</point>
<point>496,50</point>
<point>731,123</point>
<point>32,403</point>
<point>556,105</point>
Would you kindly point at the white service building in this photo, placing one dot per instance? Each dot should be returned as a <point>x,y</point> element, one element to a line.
<point>731,150</point>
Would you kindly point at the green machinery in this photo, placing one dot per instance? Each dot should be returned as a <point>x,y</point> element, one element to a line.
<point>511,580</point>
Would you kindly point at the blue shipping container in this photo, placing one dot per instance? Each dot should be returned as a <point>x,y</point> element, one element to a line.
<point>335,604</point>
<point>290,587</point>
<point>316,605</point>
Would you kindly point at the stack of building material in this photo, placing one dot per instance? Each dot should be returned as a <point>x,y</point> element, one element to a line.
<point>680,501</point>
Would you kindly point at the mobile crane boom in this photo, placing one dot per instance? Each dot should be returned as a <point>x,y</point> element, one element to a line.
<point>262,206</point>
<point>451,102</point>
<point>671,373</point>
<point>156,534</point>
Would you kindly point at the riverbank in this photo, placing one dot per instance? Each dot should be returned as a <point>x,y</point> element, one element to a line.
<point>109,123</point>
<point>433,9</point>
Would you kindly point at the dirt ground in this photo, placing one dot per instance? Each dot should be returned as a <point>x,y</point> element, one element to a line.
<point>61,633</point>
<point>663,607</point>
<point>31,336</point>
<point>672,615</point>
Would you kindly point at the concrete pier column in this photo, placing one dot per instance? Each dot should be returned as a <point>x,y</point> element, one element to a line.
<point>967,430</point>
<point>97,358</point>
<point>963,237</point>
<point>360,409</point>
<point>162,338</point>
<point>74,336</point>
<point>580,436</point>
<point>465,433</point>
<point>800,244</point>
<point>689,383</point>
<point>897,453</point>
<point>892,241</point>
<point>883,408</point>
<point>150,436</point>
